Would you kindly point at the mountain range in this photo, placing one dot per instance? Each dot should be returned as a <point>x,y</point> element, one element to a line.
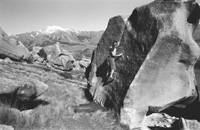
<point>75,41</point>
<point>70,39</point>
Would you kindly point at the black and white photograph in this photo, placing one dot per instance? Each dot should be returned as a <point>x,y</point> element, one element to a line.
<point>99,65</point>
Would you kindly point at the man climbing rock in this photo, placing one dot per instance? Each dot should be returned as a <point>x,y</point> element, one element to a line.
<point>113,56</point>
<point>101,95</point>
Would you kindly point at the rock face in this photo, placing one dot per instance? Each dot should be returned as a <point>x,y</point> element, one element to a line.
<point>98,70</point>
<point>12,48</point>
<point>166,79</point>
<point>159,53</point>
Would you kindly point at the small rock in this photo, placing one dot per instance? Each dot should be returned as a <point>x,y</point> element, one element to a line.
<point>6,127</point>
<point>84,63</point>
<point>8,60</point>
<point>160,120</point>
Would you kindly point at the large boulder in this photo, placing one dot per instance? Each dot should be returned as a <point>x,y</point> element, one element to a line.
<point>166,79</point>
<point>12,48</point>
<point>159,53</point>
<point>134,47</point>
<point>97,71</point>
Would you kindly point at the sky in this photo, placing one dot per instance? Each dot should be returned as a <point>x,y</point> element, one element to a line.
<point>19,16</point>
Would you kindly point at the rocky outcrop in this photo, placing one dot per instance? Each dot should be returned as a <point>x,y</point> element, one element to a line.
<point>159,53</point>
<point>55,56</point>
<point>12,48</point>
<point>59,58</point>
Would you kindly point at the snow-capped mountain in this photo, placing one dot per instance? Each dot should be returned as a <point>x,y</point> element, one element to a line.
<point>55,28</point>
<point>52,29</point>
<point>72,39</point>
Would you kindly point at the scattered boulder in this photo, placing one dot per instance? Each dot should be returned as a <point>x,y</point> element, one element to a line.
<point>59,58</point>
<point>12,48</point>
<point>32,87</point>
<point>54,56</point>
<point>24,96</point>
<point>39,85</point>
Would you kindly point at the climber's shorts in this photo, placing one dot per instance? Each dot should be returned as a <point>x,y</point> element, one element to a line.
<point>112,63</point>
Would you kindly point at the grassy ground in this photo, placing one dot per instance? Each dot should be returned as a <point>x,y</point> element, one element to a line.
<point>64,92</point>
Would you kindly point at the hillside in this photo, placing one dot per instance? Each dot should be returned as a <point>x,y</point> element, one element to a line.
<point>64,92</point>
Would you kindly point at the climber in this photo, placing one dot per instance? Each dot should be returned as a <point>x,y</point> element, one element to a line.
<point>112,58</point>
